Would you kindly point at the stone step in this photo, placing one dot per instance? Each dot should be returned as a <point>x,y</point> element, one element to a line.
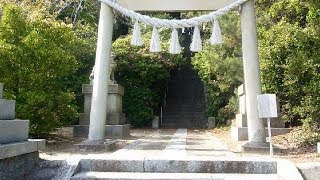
<point>179,164</point>
<point>170,176</point>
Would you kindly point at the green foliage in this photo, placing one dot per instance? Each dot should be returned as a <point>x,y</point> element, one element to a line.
<point>38,57</point>
<point>290,61</point>
<point>221,71</point>
<point>144,76</point>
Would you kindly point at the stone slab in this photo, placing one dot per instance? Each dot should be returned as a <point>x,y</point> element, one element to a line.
<point>17,167</point>
<point>170,176</point>
<point>179,164</point>
<point>13,131</point>
<point>1,90</point>
<point>310,170</point>
<point>318,147</point>
<point>90,145</point>
<point>112,131</point>
<point>113,89</point>
<point>19,148</point>
<point>7,109</point>
<point>254,147</point>
<point>241,133</point>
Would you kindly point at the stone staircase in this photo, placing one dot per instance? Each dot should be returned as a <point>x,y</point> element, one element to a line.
<point>185,100</point>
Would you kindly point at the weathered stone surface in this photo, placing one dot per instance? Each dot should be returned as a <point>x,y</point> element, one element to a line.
<point>1,90</point>
<point>13,131</point>
<point>241,133</point>
<point>90,145</point>
<point>129,164</point>
<point>84,119</point>
<point>45,169</point>
<point>186,164</point>
<point>171,176</point>
<point>118,131</point>
<point>310,171</point>
<point>116,119</point>
<point>112,131</point>
<point>7,109</point>
<point>114,103</point>
<point>17,167</point>
<point>19,148</point>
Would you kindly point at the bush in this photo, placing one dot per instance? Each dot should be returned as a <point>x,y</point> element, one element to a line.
<point>221,71</point>
<point>37,57</point>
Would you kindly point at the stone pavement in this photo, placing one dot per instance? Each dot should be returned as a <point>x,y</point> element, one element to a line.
<point>180,142</point>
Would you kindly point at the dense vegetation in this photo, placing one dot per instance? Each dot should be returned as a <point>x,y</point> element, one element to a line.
<point>289,47</point>
<point>47,51</point>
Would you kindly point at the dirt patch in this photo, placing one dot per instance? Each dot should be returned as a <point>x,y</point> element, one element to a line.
<point>289,150</point>
<point>60,144</point>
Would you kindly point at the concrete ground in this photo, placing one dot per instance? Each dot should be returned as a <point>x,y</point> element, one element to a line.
<point>143,145</point>
<point>162,142</point>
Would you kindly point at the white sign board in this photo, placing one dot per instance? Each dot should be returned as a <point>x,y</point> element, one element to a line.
<point>267,105</point>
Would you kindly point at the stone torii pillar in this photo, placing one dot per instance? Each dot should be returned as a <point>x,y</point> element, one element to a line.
<point>101,81</point>
<point>256,130</point>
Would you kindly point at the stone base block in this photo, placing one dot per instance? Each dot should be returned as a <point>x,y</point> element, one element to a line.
<point>241,120</point>
<point>89,145</point>
<point>112,131</point>
<point>13,131</point>
<point>241,133</point>
<point>7,109</point>
<point>254,147</point>
<point>112,119</point>
<point>19,148</point>
<point>155,122</point>
<point>116,118</point>
<point>18,167</point>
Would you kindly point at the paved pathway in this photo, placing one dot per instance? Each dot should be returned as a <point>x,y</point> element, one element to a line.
<point>173,143</point>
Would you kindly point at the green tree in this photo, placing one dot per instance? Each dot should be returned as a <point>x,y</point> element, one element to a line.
<point>37,56</point>
<point>220,68</point>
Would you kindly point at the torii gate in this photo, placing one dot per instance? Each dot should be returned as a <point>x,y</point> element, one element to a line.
<point>256,131</point>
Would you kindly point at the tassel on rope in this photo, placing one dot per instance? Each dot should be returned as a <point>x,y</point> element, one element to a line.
<point>216,37</point>
<point>136,39</point>
<point>155,41</point>
<point>196,44</point>
<point>175,47</point>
